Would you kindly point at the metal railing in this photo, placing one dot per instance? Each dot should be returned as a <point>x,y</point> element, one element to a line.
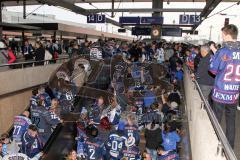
<point>223,142</point>
<point>33,63</point>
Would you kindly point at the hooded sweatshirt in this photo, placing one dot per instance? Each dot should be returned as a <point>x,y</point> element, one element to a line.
<point>153,136</point>
<point>225,64</point>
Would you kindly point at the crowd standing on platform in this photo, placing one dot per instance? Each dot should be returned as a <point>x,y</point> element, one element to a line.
<point>106,130</point>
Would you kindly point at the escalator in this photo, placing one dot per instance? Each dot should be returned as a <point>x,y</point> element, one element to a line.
<point>62,141</point>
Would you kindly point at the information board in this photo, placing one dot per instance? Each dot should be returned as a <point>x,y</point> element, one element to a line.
<point>152,20</point>
<point>173,32</point>
<point>129,20</point>
<point>96,18</point>
<point>141,31</point>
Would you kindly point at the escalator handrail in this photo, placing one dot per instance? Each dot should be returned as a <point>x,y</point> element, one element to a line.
<point>29,62</point>
<point>229,153</point>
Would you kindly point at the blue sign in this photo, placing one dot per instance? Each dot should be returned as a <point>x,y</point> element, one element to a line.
<point>189,19</point>
<point>96,18</point>
<point>194,19</point>
<point>141,31</point>
<point>184,19</point>
<point>129,20</point>
<point>173,32</point>
<point>152,20</point>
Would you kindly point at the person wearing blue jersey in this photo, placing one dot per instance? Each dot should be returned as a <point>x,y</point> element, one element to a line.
<point>54,111</point>
<point>131,153</point>
<point>94,148</point>
<point>96,111</point>
<point>34,99</point>
<point>20,125</point>
<point>167,155</point>
<point>131,130</point>
<point>225,64</point>
<point>149,97</point>
<point>31,144</point>
<point>81,132</point>
<point>116,142</point>
<point>170,137</point>
<point>41,117</point>
<point>47,98</point>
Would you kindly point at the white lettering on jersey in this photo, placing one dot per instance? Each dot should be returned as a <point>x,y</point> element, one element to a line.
<point>236,55</point>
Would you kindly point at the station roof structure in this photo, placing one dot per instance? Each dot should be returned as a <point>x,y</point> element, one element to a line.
<point>61,29</point>
<point>70,5</point>
<point>34,2</point>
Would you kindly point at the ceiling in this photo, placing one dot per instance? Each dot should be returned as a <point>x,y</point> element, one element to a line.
<point>34,2</point>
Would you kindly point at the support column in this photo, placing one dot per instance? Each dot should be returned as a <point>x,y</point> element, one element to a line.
<point>1,28</point>
<point>157,4</point>
<point>24,9</point>
<point>112,8</point>
<point>54,35</point>
<point>23,39</point>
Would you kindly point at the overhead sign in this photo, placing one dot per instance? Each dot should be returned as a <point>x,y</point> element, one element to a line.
<point>141,31</point>
<point>152,20</point>
<point>129,20</point>
<point>122,30</point>
<point>189,19</point>
<point>141,20</point>
<point>173,32</point>
<point>96,18</point>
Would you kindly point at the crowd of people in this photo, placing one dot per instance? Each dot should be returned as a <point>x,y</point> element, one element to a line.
<point>113,130</point>
<point>32,128</point>
<point>41,51</point>
<point>116,131</point>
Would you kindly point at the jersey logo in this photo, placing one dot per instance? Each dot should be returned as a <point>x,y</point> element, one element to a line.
<point>225,58</point>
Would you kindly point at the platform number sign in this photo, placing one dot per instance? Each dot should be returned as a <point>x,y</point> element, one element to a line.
<point>189,19</point>
<point>96,18</point>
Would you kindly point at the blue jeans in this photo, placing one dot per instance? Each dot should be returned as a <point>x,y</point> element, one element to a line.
<point>153,153</point>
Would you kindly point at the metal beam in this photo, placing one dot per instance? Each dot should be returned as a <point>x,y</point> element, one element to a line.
<point>141,10</point>
<point>34,2</point>
<point>164,25</point>
<point>70,6</point>
<point>209,7</point>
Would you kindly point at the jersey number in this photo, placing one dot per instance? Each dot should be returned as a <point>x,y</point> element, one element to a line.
<point>232,73</point>
<point>36,121</point>
<point>16,130</point>
<point>92,152</point>
<point>115,145</point>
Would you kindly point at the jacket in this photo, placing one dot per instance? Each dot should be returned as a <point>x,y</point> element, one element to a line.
<point>153,136</point>
<point>40,55</point>
<point>225,64</point>
<point>203,76</point>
